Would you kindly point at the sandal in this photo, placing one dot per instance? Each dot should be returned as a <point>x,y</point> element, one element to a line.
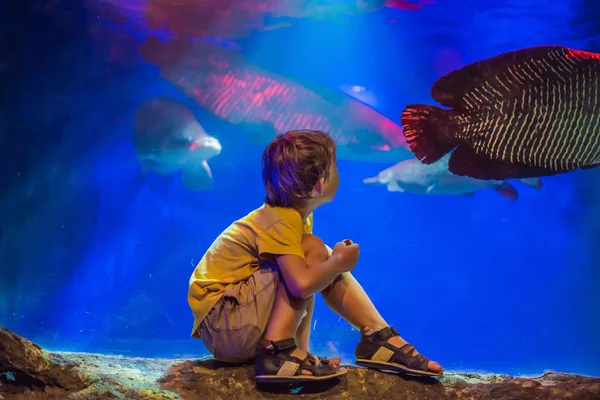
<point>374,351</point>
<point>277,365</point>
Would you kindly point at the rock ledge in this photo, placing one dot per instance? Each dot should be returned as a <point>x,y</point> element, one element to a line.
<point>29,372</point>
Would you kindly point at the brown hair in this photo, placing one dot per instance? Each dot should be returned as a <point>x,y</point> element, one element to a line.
<point>293,163</point>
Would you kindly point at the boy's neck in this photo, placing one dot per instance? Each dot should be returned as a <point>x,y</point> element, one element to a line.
<point>307,208</point>
<point>304,212</point>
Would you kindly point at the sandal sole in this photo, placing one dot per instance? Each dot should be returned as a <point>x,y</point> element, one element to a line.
<point>299,378</point>
<point>396,368</point>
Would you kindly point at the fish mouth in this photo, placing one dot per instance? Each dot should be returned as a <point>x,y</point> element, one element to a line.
<point>382,178</point>
<point>216,146</point>
<point>207,143</point>
<point>374,179</point>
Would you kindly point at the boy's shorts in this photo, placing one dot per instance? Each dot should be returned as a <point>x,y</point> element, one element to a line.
<point>233,328</point>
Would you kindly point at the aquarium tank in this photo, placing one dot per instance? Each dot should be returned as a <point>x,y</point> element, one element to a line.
<point>132,135</point>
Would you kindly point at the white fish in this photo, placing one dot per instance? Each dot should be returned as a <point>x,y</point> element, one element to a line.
<point>227,85</point>
<point>168,139</point>
<point>412,176</point>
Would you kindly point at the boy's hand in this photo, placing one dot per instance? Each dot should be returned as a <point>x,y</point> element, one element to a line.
<point>347,252</point>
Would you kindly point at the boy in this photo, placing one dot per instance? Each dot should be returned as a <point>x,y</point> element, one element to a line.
<point>252,294</point>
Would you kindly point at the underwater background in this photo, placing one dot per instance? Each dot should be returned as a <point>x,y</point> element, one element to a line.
<point>96,252</point>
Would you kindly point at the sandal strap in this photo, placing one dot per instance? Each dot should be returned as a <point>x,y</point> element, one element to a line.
<point>284,344</point>
<point>406,355</point>
<point>289,345</point>
<point>383,335</point>
<point>280,361</point>
<point>375,347</point>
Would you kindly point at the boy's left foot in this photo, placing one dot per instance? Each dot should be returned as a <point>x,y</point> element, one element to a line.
<point>386,350</point>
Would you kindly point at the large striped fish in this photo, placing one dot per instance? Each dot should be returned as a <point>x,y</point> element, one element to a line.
<point>528,113</point>
<point>221,81</point>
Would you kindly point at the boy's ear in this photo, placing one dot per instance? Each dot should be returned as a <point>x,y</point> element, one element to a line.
<point>319,186</point>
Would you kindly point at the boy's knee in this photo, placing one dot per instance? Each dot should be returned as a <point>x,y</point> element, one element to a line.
<point>314,249</point>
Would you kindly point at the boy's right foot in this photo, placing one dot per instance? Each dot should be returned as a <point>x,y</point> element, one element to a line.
<point>377,351</point>
<point>282,361</point>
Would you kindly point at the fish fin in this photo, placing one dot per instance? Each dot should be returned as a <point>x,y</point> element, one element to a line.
<point>430,188</point>
<point>464,161</point>
<point>535,183</point>
<point>507,190</point>
<point>428,132</point>
<point>597,165</point>
<point>197,177</point>
<point>393,186</point>
<point>451,89</point>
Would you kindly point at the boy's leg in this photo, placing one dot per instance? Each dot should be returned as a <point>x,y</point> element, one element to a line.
<point>286,314</point>
<point>286,319</point>
<point>303,331</point>
<point>349,300</point>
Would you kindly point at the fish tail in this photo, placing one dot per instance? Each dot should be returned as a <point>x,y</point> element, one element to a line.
<point>507,190</point>
<point>428,131</point>
<point>535,183</point>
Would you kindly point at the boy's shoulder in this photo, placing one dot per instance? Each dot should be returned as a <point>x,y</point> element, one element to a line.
<point>265,216</point>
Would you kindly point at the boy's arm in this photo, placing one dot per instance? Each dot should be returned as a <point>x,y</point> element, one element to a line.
<point>303,280</point>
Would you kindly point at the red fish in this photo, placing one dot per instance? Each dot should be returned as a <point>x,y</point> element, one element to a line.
<point>407,5</point>
<point>236,19</point>
<point>224,83</point>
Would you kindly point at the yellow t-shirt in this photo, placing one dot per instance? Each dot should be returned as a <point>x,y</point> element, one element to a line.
<point>239,252</point>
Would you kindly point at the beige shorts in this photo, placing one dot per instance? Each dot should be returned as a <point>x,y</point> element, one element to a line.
<point>233,328</point>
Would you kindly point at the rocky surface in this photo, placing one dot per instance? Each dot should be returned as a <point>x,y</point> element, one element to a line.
<point>29,372</point>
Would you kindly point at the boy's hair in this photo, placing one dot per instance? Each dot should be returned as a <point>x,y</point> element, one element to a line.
<point>293,163</point>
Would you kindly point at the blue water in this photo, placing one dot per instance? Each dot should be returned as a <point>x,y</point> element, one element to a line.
<point>96,257</point>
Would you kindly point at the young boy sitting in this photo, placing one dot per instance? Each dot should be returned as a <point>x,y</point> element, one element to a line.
<point>253,292</point>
